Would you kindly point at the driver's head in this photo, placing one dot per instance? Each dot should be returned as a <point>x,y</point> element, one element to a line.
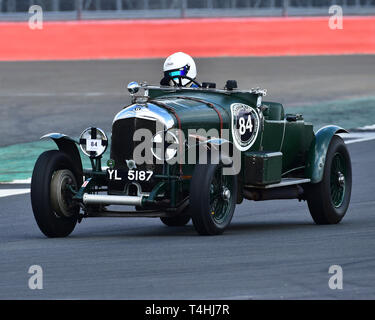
<point>178,66</point>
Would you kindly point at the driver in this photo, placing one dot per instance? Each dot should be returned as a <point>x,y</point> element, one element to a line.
<point>179,70</point>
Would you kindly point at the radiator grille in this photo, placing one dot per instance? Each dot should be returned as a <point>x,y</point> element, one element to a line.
<point>122,148</point>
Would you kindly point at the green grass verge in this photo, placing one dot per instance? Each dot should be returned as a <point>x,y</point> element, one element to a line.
<point>349,114</point>
<point>17,161</point>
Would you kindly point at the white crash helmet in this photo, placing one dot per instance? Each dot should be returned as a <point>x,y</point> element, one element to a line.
<point>180,64</point>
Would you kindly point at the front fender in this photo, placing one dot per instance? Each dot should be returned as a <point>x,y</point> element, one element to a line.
<point>67,145</point>
<point>217,142</point>
<point>318,150</point>
<point>219,146</point>
<point>211,143</point>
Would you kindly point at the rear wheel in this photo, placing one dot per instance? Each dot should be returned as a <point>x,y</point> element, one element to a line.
<point>53,178</point>
<point>212,199</point>
<point>329,200</point>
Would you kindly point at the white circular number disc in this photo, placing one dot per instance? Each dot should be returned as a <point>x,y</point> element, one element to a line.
<point>245,125</point>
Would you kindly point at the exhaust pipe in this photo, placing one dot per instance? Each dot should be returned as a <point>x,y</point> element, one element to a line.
<point>112,200</point>
<point>290,192</point>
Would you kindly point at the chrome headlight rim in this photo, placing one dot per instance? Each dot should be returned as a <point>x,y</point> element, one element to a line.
<point>97,139</point>
<point>172,151</point>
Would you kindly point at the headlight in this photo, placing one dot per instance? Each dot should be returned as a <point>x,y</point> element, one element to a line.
<point>170,145</point>
<point>93,142</point>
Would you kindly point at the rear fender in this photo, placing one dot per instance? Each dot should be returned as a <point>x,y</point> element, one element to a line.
<point>318,150</point>
<point>67,145</point>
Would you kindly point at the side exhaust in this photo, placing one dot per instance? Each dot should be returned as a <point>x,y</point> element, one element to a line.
<point>112,200</point>
<point>289,192</point>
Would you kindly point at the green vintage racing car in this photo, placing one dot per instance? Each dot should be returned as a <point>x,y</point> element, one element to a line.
<point>254,152</point>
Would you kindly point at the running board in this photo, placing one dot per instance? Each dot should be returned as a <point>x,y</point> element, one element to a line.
<point>128,214</point>
<point>284,183</point>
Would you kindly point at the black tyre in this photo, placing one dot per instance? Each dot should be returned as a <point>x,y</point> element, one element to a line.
<point>329,200</point>
<point>212,199</point>
<point>178,221</point>
<point>54,211</point>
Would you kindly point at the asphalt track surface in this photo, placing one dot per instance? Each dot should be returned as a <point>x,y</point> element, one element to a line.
<point>272,249</point>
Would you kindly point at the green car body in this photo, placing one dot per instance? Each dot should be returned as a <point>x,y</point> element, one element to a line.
<point>280,156</point>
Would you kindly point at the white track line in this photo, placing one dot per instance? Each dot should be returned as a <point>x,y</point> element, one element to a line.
<point>23,181</point>
<point>360,140</point>
<point>356,137</point>
<point>12,192</point>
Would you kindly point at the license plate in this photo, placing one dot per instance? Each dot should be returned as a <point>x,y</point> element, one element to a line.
<point>129,175</point>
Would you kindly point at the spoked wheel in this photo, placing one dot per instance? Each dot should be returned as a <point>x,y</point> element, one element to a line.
<point>220,196</point>
<point>212,199</point>
<point>339,174</point>
<point>53,180</point>
<point>329,200</point>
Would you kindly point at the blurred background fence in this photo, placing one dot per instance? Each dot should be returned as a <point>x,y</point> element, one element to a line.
<point>130,9</point>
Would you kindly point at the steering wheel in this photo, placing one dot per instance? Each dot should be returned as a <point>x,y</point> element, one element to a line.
<point>165,81</point>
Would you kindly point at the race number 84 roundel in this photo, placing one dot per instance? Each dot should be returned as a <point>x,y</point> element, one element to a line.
<point>245,125</point>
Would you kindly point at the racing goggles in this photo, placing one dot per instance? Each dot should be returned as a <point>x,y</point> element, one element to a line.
<point>182,72</point>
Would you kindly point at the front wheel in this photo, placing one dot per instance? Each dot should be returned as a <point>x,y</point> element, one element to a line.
<point>212,199</point>
<point>54,177</point>
<point>329,200</point>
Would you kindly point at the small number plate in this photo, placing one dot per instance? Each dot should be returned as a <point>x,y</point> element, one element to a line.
<point>93,144</point>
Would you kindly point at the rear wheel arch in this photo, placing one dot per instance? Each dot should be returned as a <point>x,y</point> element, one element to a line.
<point>329,199</point>
<point>316,159</point>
